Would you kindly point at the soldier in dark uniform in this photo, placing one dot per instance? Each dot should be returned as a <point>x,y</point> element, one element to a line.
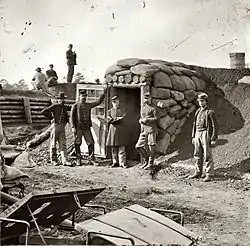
<point>81,123</point>
<point>147,138</point>
<point>71,62</point>
<point>117,133</point>
<point>51,76</point>
<point>58,113</point>
<point>204,135</point>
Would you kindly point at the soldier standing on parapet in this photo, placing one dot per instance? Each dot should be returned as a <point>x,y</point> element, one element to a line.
<point>71,62</point>
<point>203,135</point>
<point>148,122</point>
<point>58,112</point>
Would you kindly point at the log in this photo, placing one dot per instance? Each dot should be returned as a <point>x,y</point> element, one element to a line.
<point>114,78</point>
<point>38,139</point>
<point>108,78</point>
<point>17,116</point>
<point>12,112</point>
<point>11,107</point>
<point>11,102</point>
<point>45,104</point>
<point>10,99</point>
<point>125,72</point>
<point>16,121</point>
<point>37,108</point>
<point>121,79</point>
<point>38,116</point>
<point>128,78</point>
<point>136,79</point>
<point>142,79</point>
<point>40,99</point>
<point>27,112</point>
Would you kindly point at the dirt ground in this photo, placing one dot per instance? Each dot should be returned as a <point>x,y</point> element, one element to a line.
<point>217,211</point>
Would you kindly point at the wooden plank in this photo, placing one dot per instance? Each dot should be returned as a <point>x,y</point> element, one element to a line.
<point>10,99</point>
<point>37,116</point>
<point>14,121</point>
<point>17,116</point>
<point>27,111</point>
<point>11,102</point>
<point>14,107</point>
<point>12,111</point>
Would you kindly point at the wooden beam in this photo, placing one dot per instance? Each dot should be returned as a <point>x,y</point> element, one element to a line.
<point>27,111</point>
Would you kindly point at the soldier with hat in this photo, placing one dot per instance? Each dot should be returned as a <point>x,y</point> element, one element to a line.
<point>57,112</point>
<point>147,139</point>
<point>81,123</point>
<point>117,133</point>
<point>204,134</point>
<point>39,79</point>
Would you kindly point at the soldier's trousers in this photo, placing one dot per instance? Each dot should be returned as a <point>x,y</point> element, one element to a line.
<point>88,137</point>
<point>119,155</point>
<point>70,74</point>
<point>58,135</point>
<point>203,153</point>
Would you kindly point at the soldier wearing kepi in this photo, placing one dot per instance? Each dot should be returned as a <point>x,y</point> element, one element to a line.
<point>58,113</point>
<point>147,138</point>
<point>203,135</point>
<point>117,133</point>
<point>81,124</point>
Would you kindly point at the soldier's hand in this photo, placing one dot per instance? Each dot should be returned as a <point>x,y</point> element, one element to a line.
<point>213,142</point>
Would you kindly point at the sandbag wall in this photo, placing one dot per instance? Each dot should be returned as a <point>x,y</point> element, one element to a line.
<point>173,88</point>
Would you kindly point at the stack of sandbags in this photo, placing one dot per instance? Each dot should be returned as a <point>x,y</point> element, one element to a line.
<point>173,87</point>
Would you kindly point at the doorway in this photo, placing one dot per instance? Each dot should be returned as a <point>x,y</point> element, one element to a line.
<point>130,101</point>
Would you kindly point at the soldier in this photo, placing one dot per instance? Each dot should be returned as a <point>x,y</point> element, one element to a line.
<point>147,138</point>
<point>203,135</point>
<point>71,62</point>
<point>58,113</point>
<point>51,76</point>
<point>39,80</point>
<point>116,134</point>
<point>81,124</point>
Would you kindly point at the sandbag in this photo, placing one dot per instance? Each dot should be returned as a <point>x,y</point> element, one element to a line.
<point>24,160</point>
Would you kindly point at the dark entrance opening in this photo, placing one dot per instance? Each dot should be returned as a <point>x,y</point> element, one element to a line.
<point>130,100</point>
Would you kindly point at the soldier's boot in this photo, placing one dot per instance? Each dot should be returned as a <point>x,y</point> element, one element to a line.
<point>151,157</point>
<point>199,167</point>
<point>92,160</point>
<point>207,178</point>
<point>53,157</point>
<point>143,157</point>
<point>78,151</point>
<point>64,158</point>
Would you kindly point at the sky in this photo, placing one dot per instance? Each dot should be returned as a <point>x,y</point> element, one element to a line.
<point>36,33</point>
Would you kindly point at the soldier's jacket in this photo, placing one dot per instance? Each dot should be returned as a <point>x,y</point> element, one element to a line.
<point>117,135</point>
<point>58,112</point>
<point>149,114</point>
<point>208,121</point>
<point>81,113</point>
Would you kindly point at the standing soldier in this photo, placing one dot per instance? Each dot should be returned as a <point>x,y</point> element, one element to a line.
<point>81,124</point>
<point>203,135</point>
<point>71,62</point>
<point>148,122</point>
<point>117,135</point>
<point>58,113</point>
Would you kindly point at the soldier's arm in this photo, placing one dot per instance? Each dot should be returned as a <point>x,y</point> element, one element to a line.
<point>73,116</point>
<point>98,102</point>
<point>47,112</point>
<point>214,125</point>
<point>153,118</point>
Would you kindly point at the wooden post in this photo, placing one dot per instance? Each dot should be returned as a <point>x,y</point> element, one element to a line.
<point>27,111</point>
<point>2,138</point>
